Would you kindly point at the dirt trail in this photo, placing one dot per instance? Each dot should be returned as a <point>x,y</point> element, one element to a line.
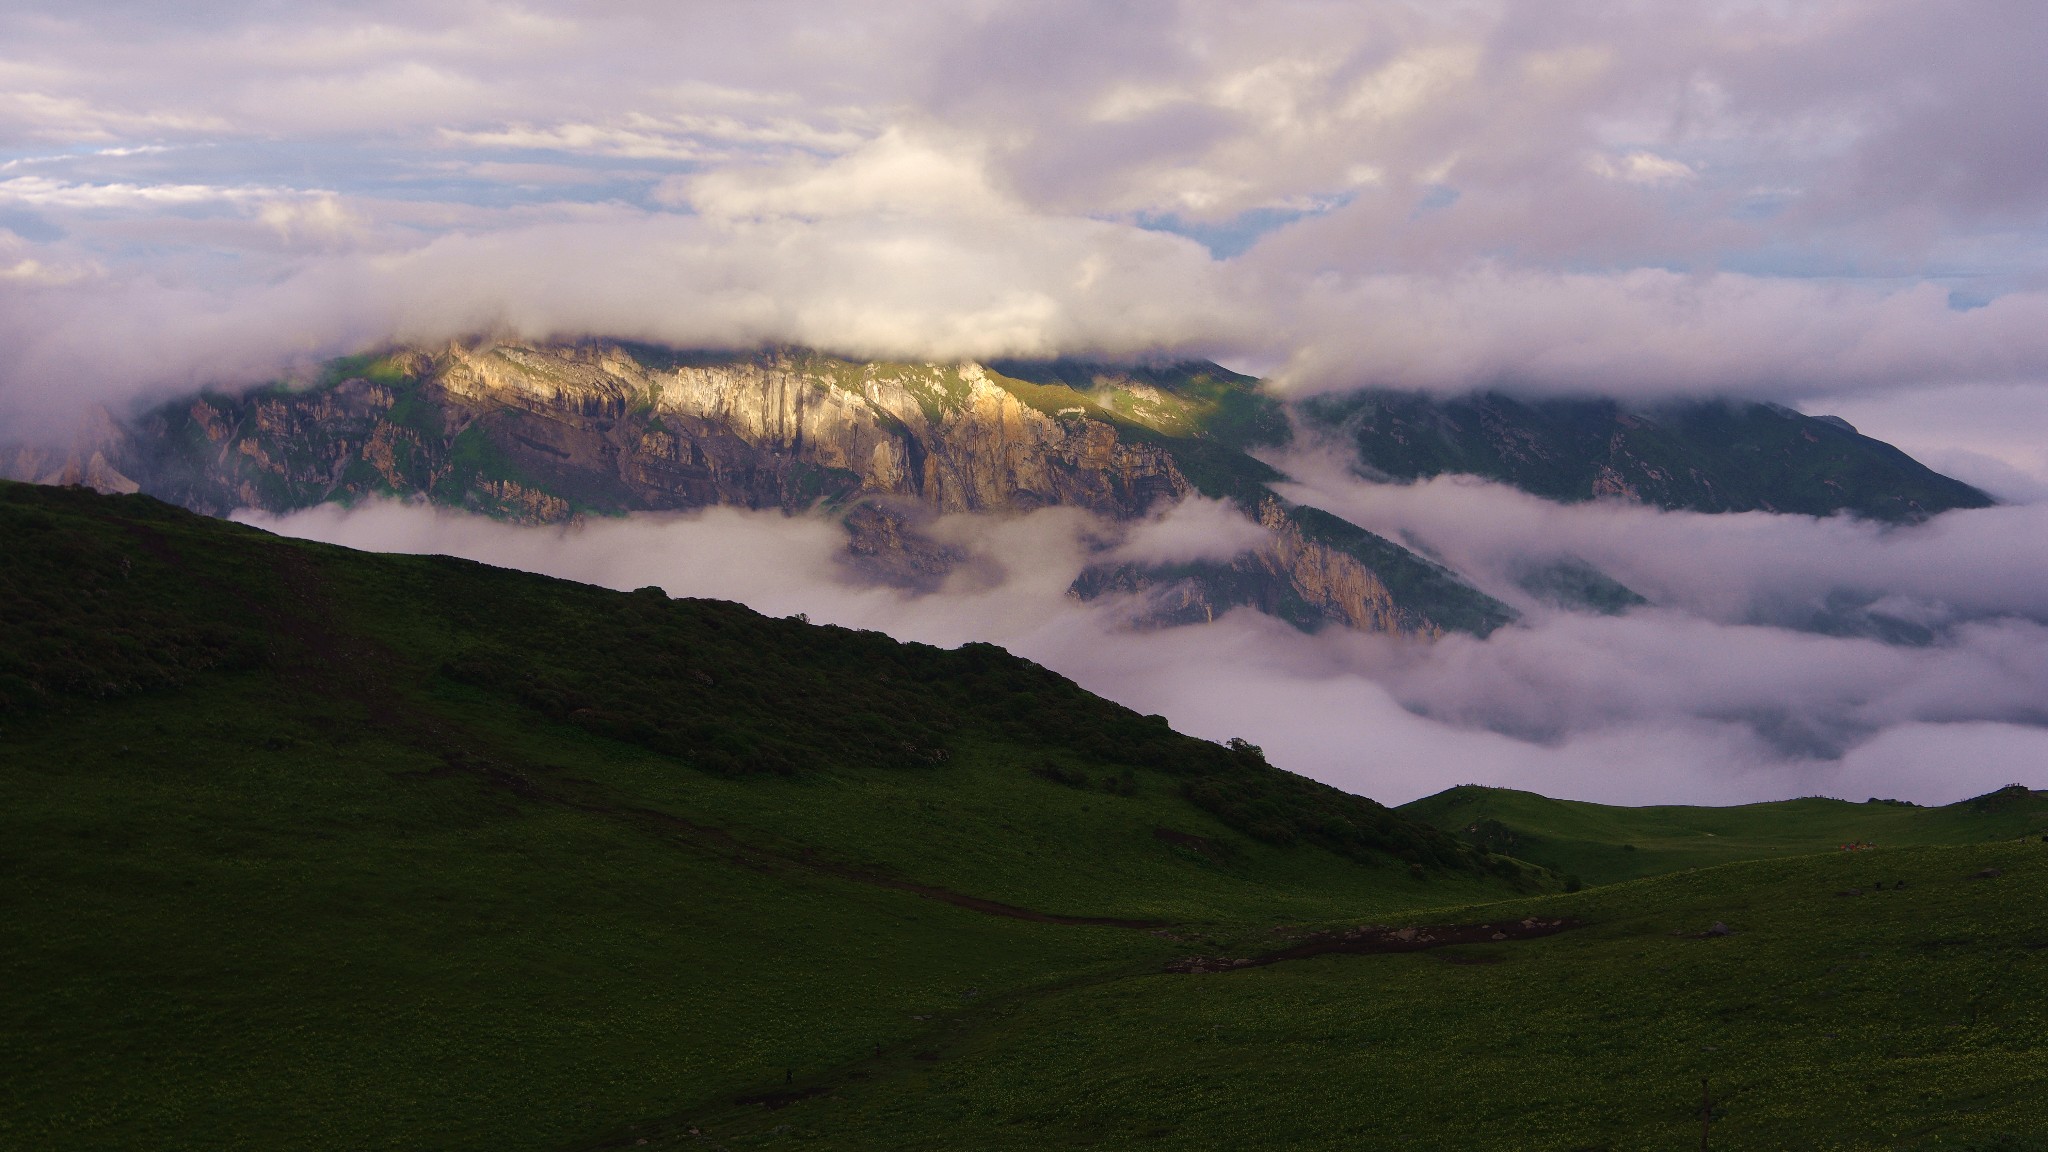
<point>738,1115</point>
<point>1376,940</point>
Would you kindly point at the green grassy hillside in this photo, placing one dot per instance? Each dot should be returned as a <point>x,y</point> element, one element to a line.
<point>304,848</point>
<point>312,848</point>
<point>1602,843</point>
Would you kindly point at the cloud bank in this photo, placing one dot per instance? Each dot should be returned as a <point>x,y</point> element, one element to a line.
<point>1803,201</point>
<point>1705,696</point>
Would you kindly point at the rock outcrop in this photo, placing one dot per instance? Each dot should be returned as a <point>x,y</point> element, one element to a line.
<point>83,462</point>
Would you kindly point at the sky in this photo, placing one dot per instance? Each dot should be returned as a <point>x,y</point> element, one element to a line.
<point>1837,205</point>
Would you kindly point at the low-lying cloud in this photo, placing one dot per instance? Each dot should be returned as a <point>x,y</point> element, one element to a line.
<point>1704,696</point>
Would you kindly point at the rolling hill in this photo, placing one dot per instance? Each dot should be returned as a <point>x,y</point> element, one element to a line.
<point>311,848</point>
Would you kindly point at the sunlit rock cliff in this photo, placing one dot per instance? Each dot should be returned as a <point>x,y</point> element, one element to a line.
<point>545,433</point>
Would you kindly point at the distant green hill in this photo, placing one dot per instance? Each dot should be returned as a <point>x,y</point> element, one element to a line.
<point>1707,456</point>
<point>304,848</point>
<point>1602,843</point>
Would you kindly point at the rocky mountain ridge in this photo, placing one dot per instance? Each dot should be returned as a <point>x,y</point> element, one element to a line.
<point>548,432</point>
<point>544,433</point>
<point>1704,456</point>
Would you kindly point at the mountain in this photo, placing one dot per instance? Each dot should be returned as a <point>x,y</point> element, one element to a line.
<point>311,848</point>
<point>1602,843</point>
<point>542,433</point>
<point>1712,456</point>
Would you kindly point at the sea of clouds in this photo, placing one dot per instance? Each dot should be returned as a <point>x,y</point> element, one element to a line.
<point>1836,204</point>
<point>1720,691</point>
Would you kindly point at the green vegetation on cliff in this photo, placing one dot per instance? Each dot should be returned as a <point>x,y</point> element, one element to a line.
<point>1209,418</point>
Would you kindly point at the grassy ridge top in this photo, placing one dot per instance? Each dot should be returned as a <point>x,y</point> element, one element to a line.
<point>1602,843</point>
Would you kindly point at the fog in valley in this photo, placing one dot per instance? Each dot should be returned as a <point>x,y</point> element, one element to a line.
<point>1727,688</point>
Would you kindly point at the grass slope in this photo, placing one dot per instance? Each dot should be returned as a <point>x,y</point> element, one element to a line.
<point>306,848</point>
<point>313,848</point>
<point>1602,843</point>
<point>1905,1018</point>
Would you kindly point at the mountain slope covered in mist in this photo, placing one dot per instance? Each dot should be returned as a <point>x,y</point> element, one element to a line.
<point>542,433</point>
<point>1706,456</point>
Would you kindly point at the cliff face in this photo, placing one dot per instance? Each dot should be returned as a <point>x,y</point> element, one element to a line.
<point>541,434</point>
<point>85,461</point>
<point>1297,577</point>
<point>546,433</point>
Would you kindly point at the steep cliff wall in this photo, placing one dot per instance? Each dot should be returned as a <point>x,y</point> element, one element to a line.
<point>601,430</point>
<point>544,433</point>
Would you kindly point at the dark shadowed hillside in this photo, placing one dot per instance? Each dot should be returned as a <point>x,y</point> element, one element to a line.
<point>1703,456</point>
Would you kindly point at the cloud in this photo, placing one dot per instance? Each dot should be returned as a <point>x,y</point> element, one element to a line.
<point>1640,167</point>
<point>1197,528</point>
<point>1693,700</point>
<point>892,177</point>
<point>1734,568</point>
<point>44,192</point>
<point>1763,200</point>
<point>1838,205</point>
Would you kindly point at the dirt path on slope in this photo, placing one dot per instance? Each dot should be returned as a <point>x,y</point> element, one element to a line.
<point>1377,940</point>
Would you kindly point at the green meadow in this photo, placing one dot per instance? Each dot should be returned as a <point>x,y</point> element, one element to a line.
<point>1602,843</point>
<point>303,848</point>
